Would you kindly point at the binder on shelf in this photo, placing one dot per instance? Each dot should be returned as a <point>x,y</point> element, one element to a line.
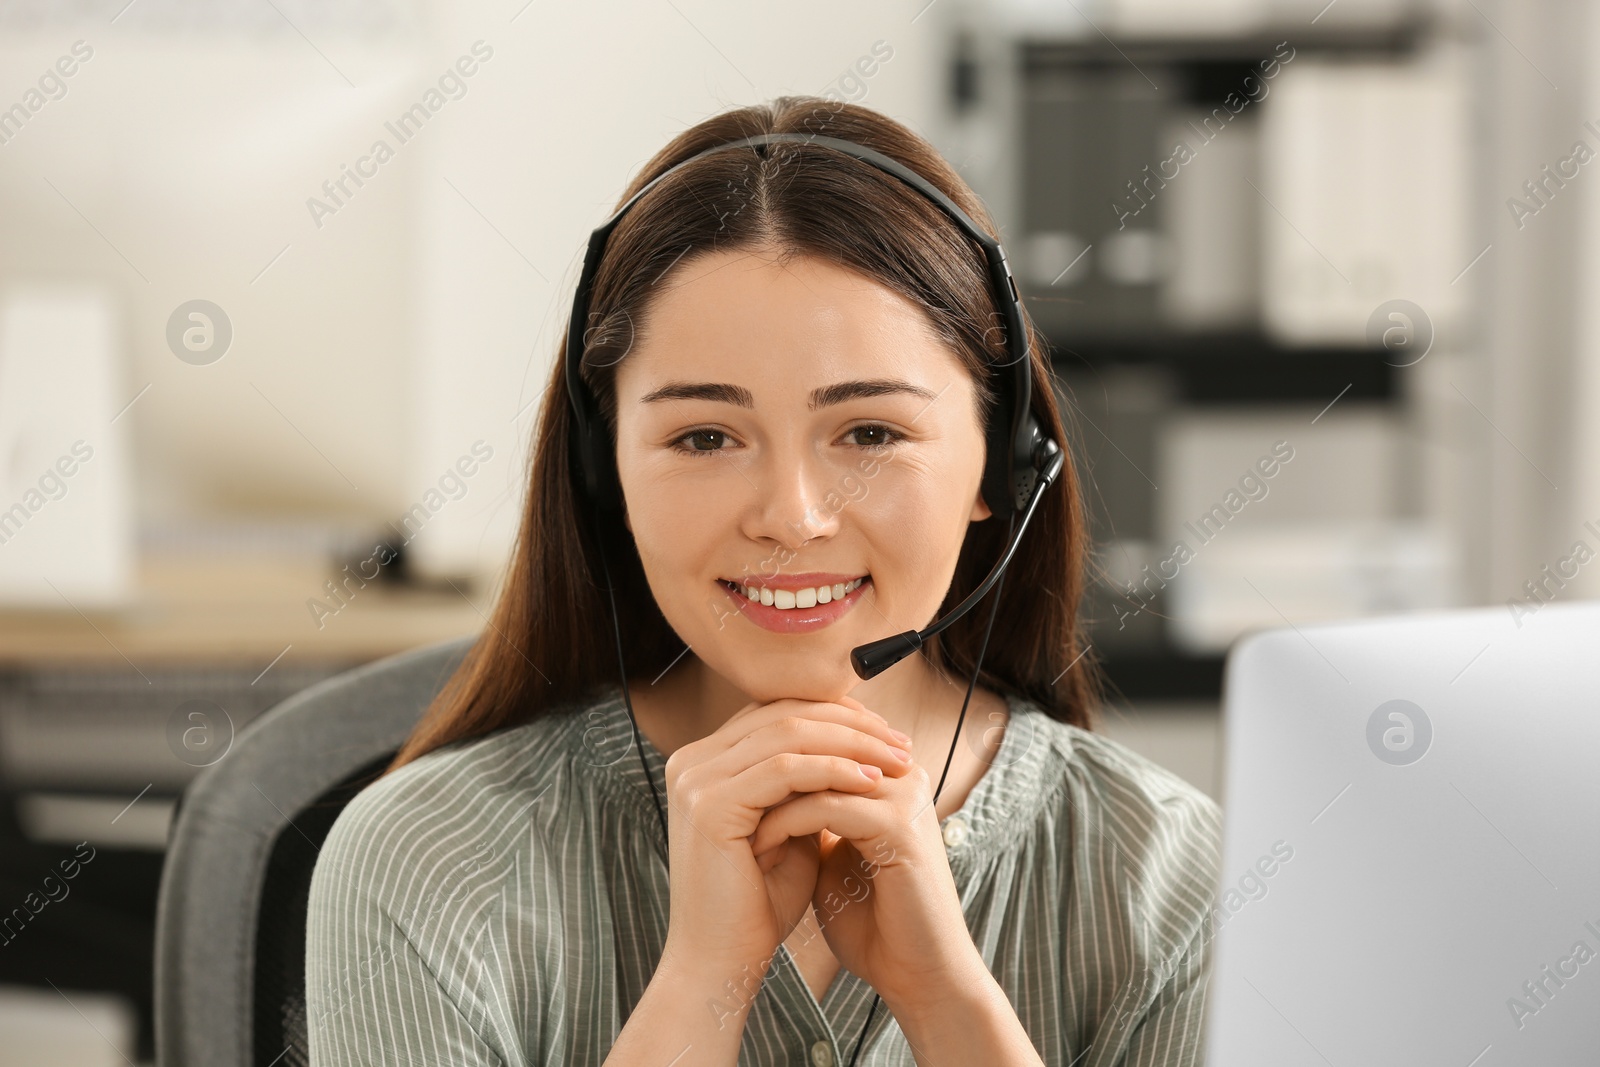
<point>1363,195</point>
<point>1214,225</point>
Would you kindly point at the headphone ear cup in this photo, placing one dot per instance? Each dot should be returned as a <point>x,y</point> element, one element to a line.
<point>592,454</point>
<point>1027,461</point>
<point>1010,473</point>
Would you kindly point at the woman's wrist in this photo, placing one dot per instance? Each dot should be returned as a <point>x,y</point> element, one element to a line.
<point>936,991</point>
<point>692,1005</point>
<point>969,1020</point>
<point>723,990</point>
<point>682,957</point>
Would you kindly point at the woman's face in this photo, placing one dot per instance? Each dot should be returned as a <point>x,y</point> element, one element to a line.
<point>750,451</point>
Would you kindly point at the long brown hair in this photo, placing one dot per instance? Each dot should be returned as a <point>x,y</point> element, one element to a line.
<point>550,642</point>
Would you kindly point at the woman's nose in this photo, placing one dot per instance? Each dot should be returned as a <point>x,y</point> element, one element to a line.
<point>795,493</point>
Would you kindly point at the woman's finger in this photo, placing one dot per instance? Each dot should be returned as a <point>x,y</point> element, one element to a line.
<point>855,818</point>
<point>803,736</point>
<point>780,777</point>
<point>742,725</point>
<point>773,857</point>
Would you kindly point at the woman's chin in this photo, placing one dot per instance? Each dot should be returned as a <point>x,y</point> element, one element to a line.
<point>825,687</point>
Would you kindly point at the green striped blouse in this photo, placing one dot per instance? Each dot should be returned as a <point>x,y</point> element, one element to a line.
<point>504,901</point>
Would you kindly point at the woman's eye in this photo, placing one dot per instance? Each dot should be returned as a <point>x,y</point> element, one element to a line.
<point>870,436</point>
<point>884,435</point>
<point>678,445</point>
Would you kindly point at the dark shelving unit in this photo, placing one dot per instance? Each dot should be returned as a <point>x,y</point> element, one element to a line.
<point>1244,368</point>
<point>1396,38</point>
<point>1162,675</point>
<point>1088,110</point>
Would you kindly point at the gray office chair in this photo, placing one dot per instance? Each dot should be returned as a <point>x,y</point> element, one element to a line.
<point>231,916</point>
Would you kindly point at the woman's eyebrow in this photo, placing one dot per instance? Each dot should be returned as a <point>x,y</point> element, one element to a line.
<point>827,395</point>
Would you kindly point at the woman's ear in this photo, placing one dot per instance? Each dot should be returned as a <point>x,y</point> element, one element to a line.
<point>980,510</point>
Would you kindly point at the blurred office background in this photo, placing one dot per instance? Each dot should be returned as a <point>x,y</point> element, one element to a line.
<point>1314,276</point>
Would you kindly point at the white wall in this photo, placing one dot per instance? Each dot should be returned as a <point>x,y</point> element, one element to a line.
<point>371,351</point>
<point>176,169</point>
<point>573,103</point>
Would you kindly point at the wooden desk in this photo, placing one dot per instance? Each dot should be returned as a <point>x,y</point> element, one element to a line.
<point>216,610</point>
<point>93,704</point>
<point>88,704</point>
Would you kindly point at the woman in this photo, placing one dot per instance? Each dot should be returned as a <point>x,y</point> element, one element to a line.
<point>793,352</point>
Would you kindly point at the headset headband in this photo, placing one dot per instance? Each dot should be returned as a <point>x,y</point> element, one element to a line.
<point>1014,440</point>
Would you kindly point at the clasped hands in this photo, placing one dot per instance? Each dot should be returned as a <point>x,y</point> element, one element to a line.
<point>818,804</point>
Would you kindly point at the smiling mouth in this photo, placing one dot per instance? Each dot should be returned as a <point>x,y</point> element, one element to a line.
<point>788,599</point>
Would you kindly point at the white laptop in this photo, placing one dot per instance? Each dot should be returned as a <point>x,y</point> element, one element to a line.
<point>1411,847</point>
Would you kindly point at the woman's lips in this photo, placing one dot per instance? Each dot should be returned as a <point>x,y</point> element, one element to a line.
<point>794,620</point>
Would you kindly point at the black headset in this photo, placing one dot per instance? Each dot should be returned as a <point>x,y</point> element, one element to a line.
<point>1014,440</point>
<point>1021,462</point>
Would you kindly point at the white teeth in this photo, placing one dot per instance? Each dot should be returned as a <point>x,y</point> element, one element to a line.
<point>784,599</point>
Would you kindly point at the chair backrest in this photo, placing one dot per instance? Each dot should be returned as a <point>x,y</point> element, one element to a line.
<point>231,917</point>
